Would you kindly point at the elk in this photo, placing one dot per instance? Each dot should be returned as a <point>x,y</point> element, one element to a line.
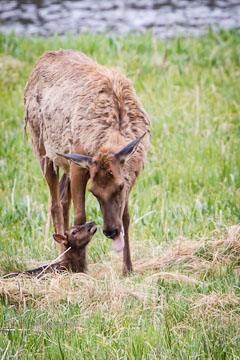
<point>87,119</point>
<point>74,242</point>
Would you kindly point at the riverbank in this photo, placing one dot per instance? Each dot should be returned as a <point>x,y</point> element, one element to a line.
<point>183,205</point>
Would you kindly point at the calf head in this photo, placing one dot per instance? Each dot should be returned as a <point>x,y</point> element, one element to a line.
<point>77,237</point>
<point>109,185</point>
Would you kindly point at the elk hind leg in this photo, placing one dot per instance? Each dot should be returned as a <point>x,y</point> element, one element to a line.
<point>65,198</point>
<point>52,177</point>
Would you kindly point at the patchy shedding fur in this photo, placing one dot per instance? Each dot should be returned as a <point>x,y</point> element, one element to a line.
<point>71,100</point>
<point>75,106</point>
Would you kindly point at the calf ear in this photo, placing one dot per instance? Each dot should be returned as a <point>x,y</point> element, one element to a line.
<point>80,160</point>
<point>128,150</point>
<point>61,239</point>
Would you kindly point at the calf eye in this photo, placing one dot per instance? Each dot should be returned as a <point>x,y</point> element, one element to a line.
<point>74,232</point>
<point>121,187</point>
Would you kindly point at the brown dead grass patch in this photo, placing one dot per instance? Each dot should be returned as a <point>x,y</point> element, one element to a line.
<point>9,61</point>
<point>216,305</point>
<point>10,69</point>
<point>104,286</point>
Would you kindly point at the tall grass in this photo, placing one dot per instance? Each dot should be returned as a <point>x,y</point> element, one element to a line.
<point>189,191</point>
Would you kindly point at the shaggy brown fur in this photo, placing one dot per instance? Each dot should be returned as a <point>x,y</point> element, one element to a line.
<point>74,105</point>
<point>75,240</point>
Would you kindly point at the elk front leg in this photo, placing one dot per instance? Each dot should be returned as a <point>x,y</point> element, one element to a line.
<point>127,262</point>
<point>79,179</point>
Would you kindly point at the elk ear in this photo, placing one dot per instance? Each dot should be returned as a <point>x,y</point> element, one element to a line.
<point>61,239</point>
<point>80,160</point>
<point>128,150</point>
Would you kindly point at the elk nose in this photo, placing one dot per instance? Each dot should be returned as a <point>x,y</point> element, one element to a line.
<point>110,233</point>
<point>91,224</point>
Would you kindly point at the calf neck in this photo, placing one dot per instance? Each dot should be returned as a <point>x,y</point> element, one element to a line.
<point>74,241</point>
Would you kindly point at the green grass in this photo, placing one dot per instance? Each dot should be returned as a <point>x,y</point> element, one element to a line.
<point>190,89</point>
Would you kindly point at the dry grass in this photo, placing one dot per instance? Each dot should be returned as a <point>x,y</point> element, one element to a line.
<point>173,305</point>
<point>216,304</point>
<point>104,286</point>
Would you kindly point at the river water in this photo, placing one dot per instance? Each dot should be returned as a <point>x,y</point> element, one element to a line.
<point>165,18</point>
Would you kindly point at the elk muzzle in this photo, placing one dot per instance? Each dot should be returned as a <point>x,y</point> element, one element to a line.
<point>117,237</point>
<point>92,227</point>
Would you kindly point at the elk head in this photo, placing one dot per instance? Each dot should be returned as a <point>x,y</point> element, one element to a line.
<point>77,237</point>
<point>108,183</point>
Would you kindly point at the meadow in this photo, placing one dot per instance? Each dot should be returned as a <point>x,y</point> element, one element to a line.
<point>183,301</point>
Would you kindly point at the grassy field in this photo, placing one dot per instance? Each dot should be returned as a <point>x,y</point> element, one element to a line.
<point>183,300</point>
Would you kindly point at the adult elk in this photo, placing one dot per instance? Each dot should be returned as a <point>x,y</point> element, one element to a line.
<point>81,111</point>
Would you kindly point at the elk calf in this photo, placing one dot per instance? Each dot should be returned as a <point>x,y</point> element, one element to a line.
<point>76,238</point>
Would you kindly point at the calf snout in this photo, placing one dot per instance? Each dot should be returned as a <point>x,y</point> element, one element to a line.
<point>111,234</point>
<point>92,227</point>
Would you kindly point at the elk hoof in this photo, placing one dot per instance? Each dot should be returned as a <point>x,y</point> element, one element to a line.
<point>127,270</point>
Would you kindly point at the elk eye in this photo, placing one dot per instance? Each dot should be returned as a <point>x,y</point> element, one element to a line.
<point>74,232</point>
<point>121,187</point>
